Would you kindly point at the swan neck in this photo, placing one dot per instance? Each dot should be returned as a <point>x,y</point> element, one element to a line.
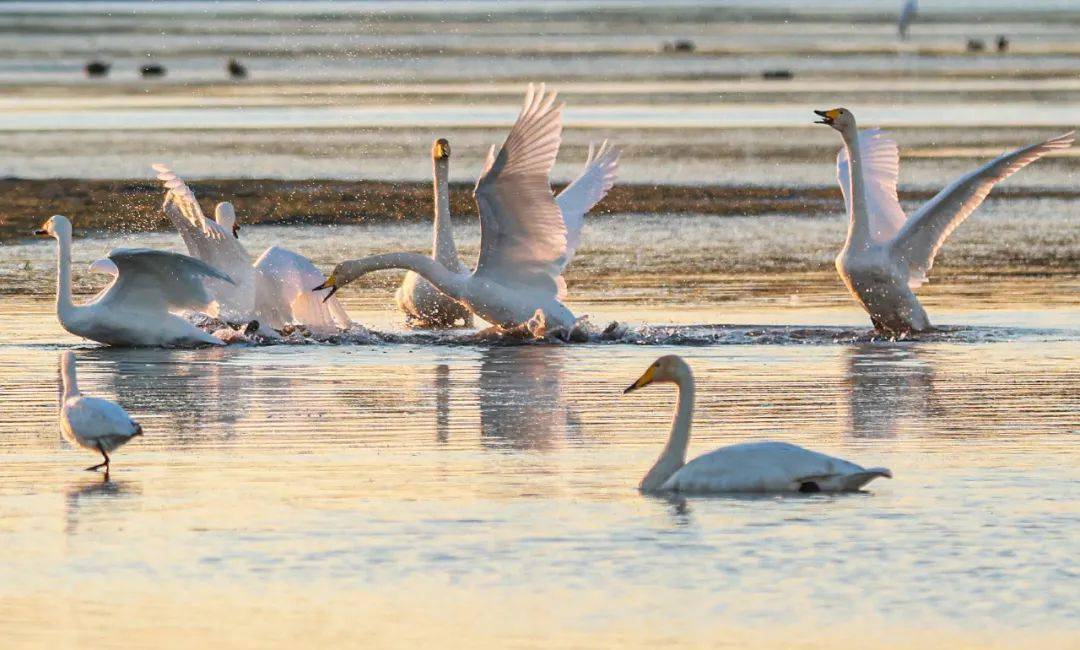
<point>443,248</point>
<point>64,302</point>
<point>673,457</point>
<point>858,226</point>
<point>450,283</point>
<point>69,376</point>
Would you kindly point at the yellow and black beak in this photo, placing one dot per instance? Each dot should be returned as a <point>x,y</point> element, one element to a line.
<point>329,284</point>
<point>441,149</point>
<point>41,232</point>
<point>828,117</point>
<point>644,380</point>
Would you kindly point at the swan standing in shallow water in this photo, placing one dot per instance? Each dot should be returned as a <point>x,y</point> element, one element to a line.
<point>887,254</point>
<point>747,467</point>
<point>527,237</point>
<point>423,304</point>
<point>136,308</point>
<point>274,290</point>
<point>89,422</point>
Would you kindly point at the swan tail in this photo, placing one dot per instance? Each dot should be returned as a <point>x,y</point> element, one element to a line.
<point>859,479</point>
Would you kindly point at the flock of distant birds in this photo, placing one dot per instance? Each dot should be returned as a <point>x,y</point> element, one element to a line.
<point>97,69</point>
<point>529,236</point>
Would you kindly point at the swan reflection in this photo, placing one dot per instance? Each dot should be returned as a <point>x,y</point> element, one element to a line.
<point>887,384</point>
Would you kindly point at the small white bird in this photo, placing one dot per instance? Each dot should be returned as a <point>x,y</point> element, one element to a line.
<point>747,467</point>
<point>888,254</point>
<point>92,423</point>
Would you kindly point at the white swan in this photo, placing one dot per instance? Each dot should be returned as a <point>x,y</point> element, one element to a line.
<point>526,238</point>
<point>747,467</point>
<point>887,254</point>
<point>90,422</point>
<point>274,290</point>
<point>135,309</point>
<point>423,304</point>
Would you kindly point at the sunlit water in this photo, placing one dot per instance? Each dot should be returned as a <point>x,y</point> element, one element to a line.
<point>401,493</point>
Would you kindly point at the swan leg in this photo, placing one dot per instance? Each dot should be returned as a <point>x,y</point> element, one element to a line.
<point>100,465</point>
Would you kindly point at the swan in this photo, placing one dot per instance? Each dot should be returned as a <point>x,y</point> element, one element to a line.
<point>887,255</point>
<point>423,304</point>
<point>135,309</point>
<point>907,16</point>
<point>273,290</point>
<point>527,237</point>
<point>90,422</point>
<point>746,467</point>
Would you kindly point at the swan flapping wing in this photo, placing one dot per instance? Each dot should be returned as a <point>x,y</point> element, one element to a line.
<point>588,189</point>
<point>919,240</point>
<point>881,171</point>
<point>522,234</point>
<point>159,280</point>
<point>181,202</point>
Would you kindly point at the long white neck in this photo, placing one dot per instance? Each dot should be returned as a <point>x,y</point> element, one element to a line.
<point>859,226</point>
<point>67,373</point>
<point>673,457</point>
<point>450,283</point>
<point>64,304</point>
<point>443,249</point>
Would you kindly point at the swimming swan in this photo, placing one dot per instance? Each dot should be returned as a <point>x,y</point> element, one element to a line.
<point>89,422</point>
<point>136,308</point>
<point>526,239</point>
<point>887,254</point>
<point>746,467</point>
<point>274,290</point>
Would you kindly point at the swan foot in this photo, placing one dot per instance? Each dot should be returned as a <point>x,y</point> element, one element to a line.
<point>104,464</point>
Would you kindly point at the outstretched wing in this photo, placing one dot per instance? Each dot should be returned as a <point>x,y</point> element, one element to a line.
<point>922,236</point>
<point>522,234</point>
<point>880,159</point>
<point>183,209</point>
<point>160,280</point>
<point>594,182</point>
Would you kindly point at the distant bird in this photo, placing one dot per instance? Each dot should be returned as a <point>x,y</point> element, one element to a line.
<point>97,69</point>
<point>89,422</point>
<point>778,74</point>
<point>888,254</point>
<point>976,45</point>
<point>152,70</point>
<point>237,69</point>
<point>681,45</point>
<point>907,16</point>
<point>747,467</point>
<point>1002,43</point>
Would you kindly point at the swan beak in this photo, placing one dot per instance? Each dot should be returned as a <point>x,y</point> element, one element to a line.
<point>644,380</point>
<point>236,231</point>
<point>41,233</point>
<point>329,284</point>
<point>829,116</point>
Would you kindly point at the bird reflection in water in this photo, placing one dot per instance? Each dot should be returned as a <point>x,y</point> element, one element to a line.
<point>887,384</point>
<point>87,499</point>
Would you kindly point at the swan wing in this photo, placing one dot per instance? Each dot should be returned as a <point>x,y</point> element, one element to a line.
<point>919,240</point>
<point>881,171</point>
<point>575,201</point>
<point>284,281</point>
<point>104,266</point>
<point>98,419</point>
<point>760,467</point>
<point>522,234</point>
<point>159,280</point>
<point>183,208</point>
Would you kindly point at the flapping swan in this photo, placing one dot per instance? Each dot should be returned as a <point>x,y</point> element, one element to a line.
<point>887,254</point>
<point>274,290</point>
<point>527,237</point>
<point>747,467</point>
<point>89,422</point>
<point>135,309</point>
<point>423,304</point>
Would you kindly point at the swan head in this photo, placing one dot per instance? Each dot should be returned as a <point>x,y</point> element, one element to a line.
<point>840,119</point>
<point>440,150</point>
<point>667,369</point>
<point>342,275</point>
<point>56,226</point>
<point>225,215</point>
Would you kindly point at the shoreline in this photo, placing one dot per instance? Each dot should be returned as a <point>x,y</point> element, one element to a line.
<point>106,206</point>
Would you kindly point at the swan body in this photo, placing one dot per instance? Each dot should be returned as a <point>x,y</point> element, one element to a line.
<point>887,254</point>
<point>92,423</point>
<point>424,305</point>
<point>527,236</point>
<point>274,290</point>
<point>746,467</point>
<point>136,309</point>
